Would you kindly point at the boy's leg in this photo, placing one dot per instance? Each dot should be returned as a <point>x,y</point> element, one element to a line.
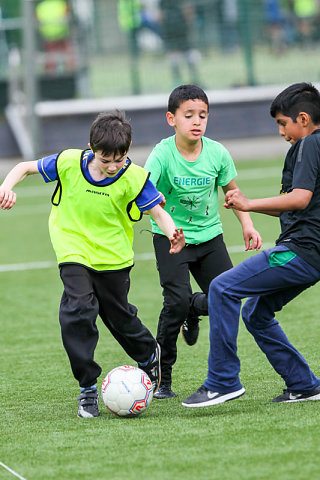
<point>120,316</point>
<point>253,277</point>
<point>210,260</point>
<point>258,316</point>
<point>78,312</point>
<point>175,281</point>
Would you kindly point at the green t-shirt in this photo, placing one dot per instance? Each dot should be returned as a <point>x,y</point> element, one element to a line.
<point>191,188</point>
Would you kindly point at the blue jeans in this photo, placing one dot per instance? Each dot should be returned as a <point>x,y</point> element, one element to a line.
<point>269,287</point>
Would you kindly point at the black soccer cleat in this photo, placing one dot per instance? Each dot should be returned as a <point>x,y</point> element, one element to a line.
<point>153,369</point>
<point>190,330</point>
<point>164,391</point>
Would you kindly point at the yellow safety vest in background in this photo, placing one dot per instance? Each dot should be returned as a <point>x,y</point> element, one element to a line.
<point>129,14</point>
<point>305,8</point>
<point>53,19</point>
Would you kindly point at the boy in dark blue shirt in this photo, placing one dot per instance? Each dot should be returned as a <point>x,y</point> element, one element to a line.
<point>274,277</point>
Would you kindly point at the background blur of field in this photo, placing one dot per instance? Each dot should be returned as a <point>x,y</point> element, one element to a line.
<point>43,439</point>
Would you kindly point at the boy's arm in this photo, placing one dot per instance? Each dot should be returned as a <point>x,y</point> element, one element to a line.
<point>166,224</point>
<point>252,238</point>
<point>16,175</point>
<point>297,199</point>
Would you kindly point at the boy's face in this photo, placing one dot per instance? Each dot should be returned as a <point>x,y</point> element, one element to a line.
<point>190,119</point>
<point>288,129</point>
<point>109,165</point>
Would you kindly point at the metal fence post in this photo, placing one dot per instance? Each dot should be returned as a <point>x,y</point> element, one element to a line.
<point>30,73</point>
<point>247,40</point>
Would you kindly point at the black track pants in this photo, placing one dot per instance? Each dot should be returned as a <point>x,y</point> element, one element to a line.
<point>205,261</point>
<point>86,295</point>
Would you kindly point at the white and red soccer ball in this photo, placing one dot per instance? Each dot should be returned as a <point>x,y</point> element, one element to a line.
<point>127,391</point>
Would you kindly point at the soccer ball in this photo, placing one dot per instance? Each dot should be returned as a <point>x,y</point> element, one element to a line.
<point>127,391</point>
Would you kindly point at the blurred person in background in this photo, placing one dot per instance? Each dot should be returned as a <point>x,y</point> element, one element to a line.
<point>274,19</point>
<point>54,28</point>
<point>306,12</point>
<point>228,24</point>
<point>150,16</point>
<point>129,18</point>
<point>177,18</point>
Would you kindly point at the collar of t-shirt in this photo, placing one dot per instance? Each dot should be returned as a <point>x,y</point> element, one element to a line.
<point>105,181</point>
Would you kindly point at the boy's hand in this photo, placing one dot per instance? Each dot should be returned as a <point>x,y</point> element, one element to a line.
<point>236,200</point>
<point>252,238</point>
<point>7,199</point>
<point>177,241</point>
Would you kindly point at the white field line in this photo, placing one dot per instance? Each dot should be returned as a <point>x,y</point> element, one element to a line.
<point>12,471</point>
<point>259,173</point>
<point>14,267</point>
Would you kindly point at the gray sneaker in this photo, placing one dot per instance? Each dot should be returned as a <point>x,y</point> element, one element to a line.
<point>204,397</point>
<point>290,396</point>
<point>88,404</point>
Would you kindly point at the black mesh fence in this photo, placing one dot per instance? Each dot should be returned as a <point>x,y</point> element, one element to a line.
<point>106,48</point>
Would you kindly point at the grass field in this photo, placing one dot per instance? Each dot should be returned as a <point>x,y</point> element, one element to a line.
<point>41,436</point>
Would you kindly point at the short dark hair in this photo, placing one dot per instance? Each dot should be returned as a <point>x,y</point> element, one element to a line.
<point>299,97</point>
<point>110,133</point>
<point>183,93</point>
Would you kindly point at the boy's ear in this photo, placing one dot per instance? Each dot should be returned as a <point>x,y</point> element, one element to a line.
<point>304,119</point>
<point>170,119</point>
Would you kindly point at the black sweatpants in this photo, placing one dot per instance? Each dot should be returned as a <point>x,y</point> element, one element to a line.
<point>205,261</point>
<point>88,293</point>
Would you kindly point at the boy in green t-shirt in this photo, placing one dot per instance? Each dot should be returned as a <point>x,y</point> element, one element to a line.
<point>188,168</point>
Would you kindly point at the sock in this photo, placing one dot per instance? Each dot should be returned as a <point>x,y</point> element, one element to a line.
<point>83,389</point>
<point>144,364</point>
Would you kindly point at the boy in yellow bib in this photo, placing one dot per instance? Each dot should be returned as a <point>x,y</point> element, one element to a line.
<point>100,194</point>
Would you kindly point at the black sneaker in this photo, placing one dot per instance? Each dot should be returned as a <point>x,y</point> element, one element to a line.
<point>153,369</point>
<point>290,396</point>
<point>190,330</point>
<point>164,391</point>
<point>203,397</point>
<point>88,404</point>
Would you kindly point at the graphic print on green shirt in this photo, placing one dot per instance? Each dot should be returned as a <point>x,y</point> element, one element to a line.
<point>191,188</point>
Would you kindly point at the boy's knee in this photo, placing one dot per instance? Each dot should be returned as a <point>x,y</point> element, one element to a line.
<point>257,314</point>
<point>179,307</point>
<point>78,310</point>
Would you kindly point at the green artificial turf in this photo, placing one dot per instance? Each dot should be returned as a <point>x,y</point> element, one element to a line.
<point>40,435</point>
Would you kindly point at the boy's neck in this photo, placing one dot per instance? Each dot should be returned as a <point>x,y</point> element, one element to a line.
<point>311,128</point>
<point>189,151</point>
